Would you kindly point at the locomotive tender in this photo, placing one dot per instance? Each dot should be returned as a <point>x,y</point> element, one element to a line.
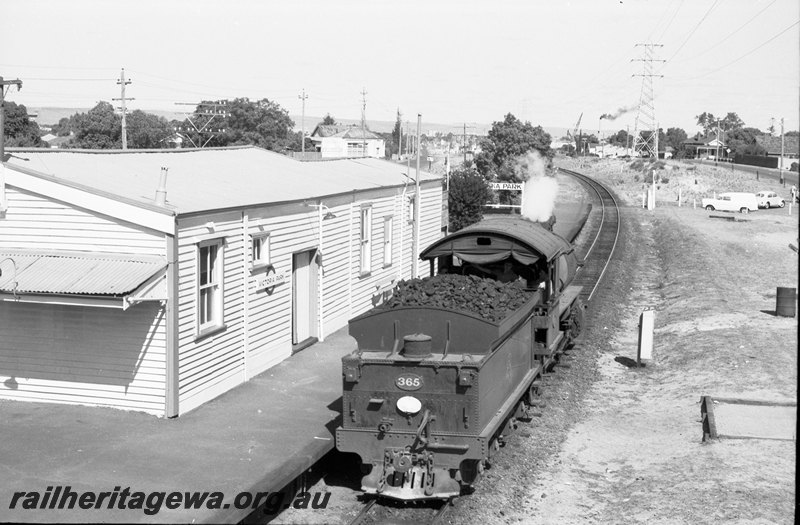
<point>431,392</point>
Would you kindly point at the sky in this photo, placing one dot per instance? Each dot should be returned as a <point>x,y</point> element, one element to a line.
<point>458,62</point>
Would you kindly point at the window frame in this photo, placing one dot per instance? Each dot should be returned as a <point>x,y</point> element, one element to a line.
<point>265,250</point>
<point>365,240</point>
<point>388,240</point>
<point>216,320</point>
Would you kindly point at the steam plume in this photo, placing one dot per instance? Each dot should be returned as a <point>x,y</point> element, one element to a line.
<point>540,189</point>
<point>618,113</point>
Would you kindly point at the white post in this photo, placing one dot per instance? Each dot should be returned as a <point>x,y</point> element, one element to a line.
<point>679,197</point>
<point>646,325</point>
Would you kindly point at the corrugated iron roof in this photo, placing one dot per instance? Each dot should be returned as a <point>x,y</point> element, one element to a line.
<point>78,273</point>
<point>213,179</point>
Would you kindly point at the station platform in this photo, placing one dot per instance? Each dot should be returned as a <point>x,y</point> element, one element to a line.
<point>257,438</point>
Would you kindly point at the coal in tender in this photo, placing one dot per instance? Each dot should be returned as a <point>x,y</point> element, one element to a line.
<point>487,298</point>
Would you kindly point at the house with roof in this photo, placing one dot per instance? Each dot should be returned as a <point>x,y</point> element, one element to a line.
<point>790,148</point>
<point>704,147</point>
<point>156,280</point>
<point>335,141</point>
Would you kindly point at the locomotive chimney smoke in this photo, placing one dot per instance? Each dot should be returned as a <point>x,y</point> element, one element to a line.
<point>618,113</point>
<point>161,192</point>
<point>540,190</point>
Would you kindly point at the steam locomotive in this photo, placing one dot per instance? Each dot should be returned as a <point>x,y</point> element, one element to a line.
<point>433,389</point>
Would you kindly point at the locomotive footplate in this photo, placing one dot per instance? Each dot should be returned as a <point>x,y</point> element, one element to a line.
<point>410,476</point>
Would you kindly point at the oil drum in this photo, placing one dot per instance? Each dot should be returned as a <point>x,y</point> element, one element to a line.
<point>786,304</point>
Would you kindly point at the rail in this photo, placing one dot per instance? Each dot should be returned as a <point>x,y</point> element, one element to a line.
<point>603,233</point>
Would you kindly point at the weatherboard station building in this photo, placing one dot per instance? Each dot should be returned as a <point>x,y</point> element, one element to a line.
<point>157,280</point>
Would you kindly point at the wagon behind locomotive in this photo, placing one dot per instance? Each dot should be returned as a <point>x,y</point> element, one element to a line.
<point>430,391</point>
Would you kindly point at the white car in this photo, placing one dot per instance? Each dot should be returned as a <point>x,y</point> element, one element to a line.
<point>741,202</point>
<point>769,199</point>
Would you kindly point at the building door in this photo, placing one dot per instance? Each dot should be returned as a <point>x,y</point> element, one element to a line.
<point>304,299</point>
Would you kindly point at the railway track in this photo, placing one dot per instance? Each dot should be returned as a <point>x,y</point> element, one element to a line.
<point>603,233</point>
<point>427,516</point>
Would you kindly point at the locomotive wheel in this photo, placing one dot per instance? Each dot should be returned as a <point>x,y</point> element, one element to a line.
<point>471,471</point>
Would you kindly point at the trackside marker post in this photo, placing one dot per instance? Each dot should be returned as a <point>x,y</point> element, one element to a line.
<point>646,325</point>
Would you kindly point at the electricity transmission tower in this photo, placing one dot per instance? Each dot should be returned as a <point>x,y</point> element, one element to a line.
<point>200,122</point>
<point>645,132</point>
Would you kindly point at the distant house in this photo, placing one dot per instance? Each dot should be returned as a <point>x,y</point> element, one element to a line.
<point>55,141</point>
<point>791,151</point>
<point>334,141</point>
<point>708,147</point>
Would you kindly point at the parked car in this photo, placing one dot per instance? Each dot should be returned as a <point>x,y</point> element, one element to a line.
<point>741,202</point>
<point>769,199</point>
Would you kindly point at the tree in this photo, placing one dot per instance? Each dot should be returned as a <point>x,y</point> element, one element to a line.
<point>620,138</point>
<point>99,128</point>
<point>328,120</point>
<point>146,130</point>
<point>674,138</point>
<point>706,121</point>
<point>260,123</point>
<point>19,130</point>
<point>468,193</point>
<point>743,142</point>
<point>506,142</point>
<point>397,134</point>
<point>731,122</point>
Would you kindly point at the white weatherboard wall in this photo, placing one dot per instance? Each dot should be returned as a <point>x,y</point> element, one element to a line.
<point>84,355</point>
<point>39,223</point>
<point>76,354</point>
<point>213,364</point>
<point>292,229</point>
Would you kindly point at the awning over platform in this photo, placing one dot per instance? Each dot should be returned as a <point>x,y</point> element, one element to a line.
<point>95,275</point>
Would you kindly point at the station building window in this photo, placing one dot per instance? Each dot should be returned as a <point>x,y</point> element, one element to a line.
<point>260,246</point>
<point>387,241</point>
<point>209,286</point>
<point>366,240</point>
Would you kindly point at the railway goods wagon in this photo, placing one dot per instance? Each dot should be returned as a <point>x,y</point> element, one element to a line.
<point>436,384</point>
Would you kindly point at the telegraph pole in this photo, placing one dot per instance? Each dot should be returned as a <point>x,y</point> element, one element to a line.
<point>3,84</point>
<point>364,121</point>
<point>782,145</point>
<point>465,143</point>
<point>122,83</point>
<point>303,97</point>
<point>416,207</point>
<point>647,111</point>
<point>213,110</point>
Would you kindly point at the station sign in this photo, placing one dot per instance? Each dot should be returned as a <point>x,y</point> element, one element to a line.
<point>507,186</point>
<point>273,279</point>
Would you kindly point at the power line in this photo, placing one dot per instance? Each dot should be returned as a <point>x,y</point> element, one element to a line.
<point>709,49</point>
<point>746,54</point>
<point>693,30</point>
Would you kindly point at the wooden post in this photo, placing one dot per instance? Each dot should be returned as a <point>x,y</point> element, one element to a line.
<point>646,325</point>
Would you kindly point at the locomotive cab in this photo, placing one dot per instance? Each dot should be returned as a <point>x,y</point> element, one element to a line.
<point>433,387</point>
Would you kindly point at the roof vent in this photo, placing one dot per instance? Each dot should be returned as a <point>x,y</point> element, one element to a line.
<point>161,192</point>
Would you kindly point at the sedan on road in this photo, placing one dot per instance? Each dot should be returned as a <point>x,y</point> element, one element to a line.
<point>769,199</point>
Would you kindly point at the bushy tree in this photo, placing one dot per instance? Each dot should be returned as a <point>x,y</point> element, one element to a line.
<point>99,128</point>
<point>506,142</point>
<point>328,120</point>
<point>467,194</point>
<point>743,142</point>
<point>674,138</point>
<point>19,130</point>
<point>146,130</point>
